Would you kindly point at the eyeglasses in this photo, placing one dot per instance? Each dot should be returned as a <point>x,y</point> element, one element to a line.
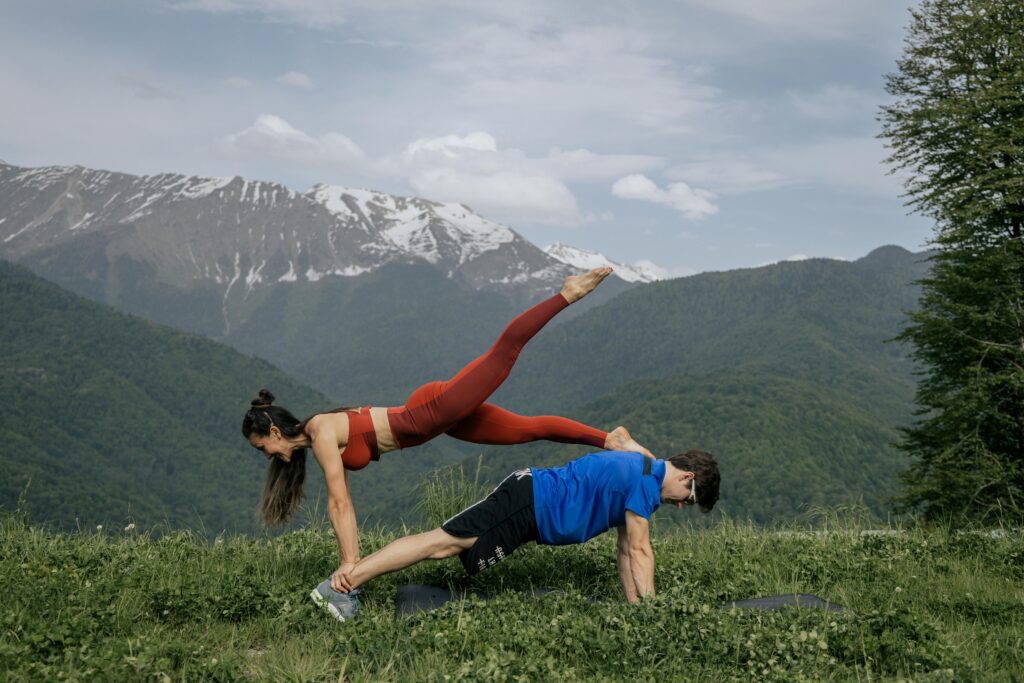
<point>692,498</point>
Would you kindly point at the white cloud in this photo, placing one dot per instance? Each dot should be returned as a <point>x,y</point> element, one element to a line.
<point>582,165</point>
<point>506,183</point>
<point>451,145</point>
<point>478,152</point>
<point>296,79</point>
<point>506,195</point>
<point>273,137</point>
<point>727,176</point>
<point>693,204</point>
<point>503,184</point>
<point>834,102</point>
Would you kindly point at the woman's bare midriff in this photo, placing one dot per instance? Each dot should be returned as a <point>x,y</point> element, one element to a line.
<point>385,438</point>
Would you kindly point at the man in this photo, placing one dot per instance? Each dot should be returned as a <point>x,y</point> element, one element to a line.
<point>554,506</point>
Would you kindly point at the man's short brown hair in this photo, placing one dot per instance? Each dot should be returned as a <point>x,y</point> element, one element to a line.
<point>705,474</point>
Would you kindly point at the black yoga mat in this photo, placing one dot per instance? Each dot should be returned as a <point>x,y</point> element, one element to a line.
<point>777,602</point>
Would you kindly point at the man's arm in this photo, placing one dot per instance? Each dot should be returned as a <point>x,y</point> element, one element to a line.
<point>622,561</point>
<point>640,557</point>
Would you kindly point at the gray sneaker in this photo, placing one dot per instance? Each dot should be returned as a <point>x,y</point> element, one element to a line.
<point>343,606</point>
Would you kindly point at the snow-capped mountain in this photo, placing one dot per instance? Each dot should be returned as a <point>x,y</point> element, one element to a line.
<point>579,259</point>
<point>242,234</point>
<point>208,254</point>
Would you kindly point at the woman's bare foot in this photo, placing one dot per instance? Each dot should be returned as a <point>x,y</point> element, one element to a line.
<point>578,286</point>
<point>619,440</point>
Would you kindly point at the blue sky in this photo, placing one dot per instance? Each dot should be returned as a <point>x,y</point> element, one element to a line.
<point>694,134</point>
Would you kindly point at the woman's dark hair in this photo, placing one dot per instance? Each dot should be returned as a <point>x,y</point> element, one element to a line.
<point>282,489</point>
<point>705,473</point>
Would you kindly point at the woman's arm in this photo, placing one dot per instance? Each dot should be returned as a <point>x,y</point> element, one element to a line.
<point>339,502</point>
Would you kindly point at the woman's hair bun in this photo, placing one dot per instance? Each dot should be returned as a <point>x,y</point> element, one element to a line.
<point>265,400</point>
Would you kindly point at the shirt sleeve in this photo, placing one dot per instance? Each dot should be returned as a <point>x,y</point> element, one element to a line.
<point>637,499</point>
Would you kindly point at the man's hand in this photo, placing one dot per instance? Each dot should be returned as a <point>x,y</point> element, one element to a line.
<point>341,580</point>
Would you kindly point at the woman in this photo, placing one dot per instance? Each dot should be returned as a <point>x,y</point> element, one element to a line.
<point>456,407</point>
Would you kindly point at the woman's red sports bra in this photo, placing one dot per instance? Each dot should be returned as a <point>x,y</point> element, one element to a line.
<point>362,440</point>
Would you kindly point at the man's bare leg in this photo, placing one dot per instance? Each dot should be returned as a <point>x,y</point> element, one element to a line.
<point>407,551</point>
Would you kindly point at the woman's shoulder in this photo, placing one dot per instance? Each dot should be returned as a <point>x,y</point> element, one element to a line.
<point>336,422</point>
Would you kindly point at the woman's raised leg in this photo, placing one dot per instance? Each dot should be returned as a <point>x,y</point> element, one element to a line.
<point>438,406</point>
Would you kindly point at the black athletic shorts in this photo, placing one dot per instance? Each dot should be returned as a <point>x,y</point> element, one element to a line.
<point>502,521</point>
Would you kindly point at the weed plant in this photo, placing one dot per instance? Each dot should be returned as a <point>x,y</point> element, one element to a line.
<point>921,603</point>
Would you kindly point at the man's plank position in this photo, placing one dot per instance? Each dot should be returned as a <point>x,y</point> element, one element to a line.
<point>560,506</point>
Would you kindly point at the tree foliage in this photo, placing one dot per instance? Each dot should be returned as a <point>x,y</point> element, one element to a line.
<point>956,128</point>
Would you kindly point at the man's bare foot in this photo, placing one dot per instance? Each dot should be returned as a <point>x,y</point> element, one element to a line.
<point>578,286</point>
<point>619,440</point>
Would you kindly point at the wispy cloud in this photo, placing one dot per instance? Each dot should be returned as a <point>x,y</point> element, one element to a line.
<point>600,74</point>
<point>296,79</point>
<point>507,195</point>
<point>727,176</point>
<point>145,89</point>
<point>273,137</point>
<point>693,204</point>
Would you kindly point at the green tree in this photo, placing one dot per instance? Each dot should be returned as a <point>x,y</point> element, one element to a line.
<point>956,129</point>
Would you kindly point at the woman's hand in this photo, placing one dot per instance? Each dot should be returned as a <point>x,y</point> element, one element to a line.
<point>341,580</point>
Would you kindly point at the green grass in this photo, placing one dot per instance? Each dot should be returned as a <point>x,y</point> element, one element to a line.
<point>113,605</point>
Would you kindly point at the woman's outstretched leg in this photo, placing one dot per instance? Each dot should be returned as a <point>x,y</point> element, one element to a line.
<point>496,426</point>
<point>492,425</point>
<point>436,407</point>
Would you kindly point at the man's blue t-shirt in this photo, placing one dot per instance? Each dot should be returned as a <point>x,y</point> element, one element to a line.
<point>590,495</point>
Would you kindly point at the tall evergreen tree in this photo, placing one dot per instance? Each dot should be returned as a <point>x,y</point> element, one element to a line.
<point>956,129</point>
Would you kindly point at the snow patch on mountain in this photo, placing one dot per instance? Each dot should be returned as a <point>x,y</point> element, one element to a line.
<point>201,187</point>
<point>642,271</point>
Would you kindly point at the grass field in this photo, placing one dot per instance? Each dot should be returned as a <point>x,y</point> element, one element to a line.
<point>923,604</point>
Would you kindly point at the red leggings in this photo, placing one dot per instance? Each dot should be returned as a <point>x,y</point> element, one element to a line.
<point>457,407</point>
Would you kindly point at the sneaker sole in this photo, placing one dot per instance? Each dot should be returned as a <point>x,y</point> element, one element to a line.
<point>322,602</point>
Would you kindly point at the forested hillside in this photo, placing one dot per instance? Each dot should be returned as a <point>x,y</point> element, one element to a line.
<point>110,419</point>
<point>783,372</point>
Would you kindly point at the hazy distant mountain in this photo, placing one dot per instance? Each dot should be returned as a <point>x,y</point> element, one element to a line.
<point>192,251</point>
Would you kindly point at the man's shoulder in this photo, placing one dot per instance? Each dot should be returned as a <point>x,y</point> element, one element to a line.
<point>620,463</point>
